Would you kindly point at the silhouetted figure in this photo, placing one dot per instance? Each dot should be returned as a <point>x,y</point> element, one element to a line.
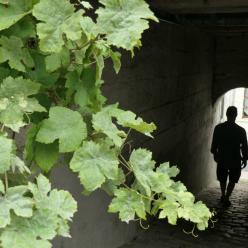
<point>230,151</point>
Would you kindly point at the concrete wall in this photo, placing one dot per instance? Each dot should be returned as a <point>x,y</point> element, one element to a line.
<point>231,63</point>
<point>169,82</point>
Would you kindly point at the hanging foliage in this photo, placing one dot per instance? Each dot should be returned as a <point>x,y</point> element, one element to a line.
<point>52,55</point>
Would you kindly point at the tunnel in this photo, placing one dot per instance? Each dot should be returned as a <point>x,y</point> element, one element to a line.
<point>188,62</point>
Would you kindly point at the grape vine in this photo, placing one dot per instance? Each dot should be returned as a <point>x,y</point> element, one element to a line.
<point>52,55</point>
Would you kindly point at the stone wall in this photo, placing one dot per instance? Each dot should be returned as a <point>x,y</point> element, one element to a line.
<point>169,82</point>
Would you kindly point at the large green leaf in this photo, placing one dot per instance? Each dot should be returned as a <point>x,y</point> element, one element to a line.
<point>12,11</point>
<point>58,18</point>
<point>65,125</point>
<point>128,203</point>
<point>95,163</point>
<point>12,50</point>
<point>58,202</point>
<point>16,100</point>
<point>124,21</point>
<point>14,200</point>
<point>53,209</point>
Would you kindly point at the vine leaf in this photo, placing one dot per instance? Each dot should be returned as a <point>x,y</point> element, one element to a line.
<point>95,164</point>
<point>14,200</point>
<point>46,155</point>
<point>123,22</point>
<point>87,92</point>
<point>57,60</point>
<point>170,211</point>
<point>110,186</point>
<point>129,119</point>
<point>102,122</point>
<point>15,11</point>
<point>39,72</point>
<point>65,125</point>
<point>116,58</point>
<point>58,18</point>
<point>53,209</point>
<point>5,154</point>
<point>128,203</point>
<point>12,50</point>
<point>143,165</point>
<point>15,101</point>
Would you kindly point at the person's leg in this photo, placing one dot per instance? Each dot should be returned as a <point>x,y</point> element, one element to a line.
<point>223,189</point>
<point>222,174</point>
<point>230,189</point>
<point>234,175</point>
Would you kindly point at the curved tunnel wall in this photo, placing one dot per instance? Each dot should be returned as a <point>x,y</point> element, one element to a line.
<point>231,66</point>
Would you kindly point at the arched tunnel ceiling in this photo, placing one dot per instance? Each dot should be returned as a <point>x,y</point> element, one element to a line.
<point>218,16</point>
<point>200,6</point>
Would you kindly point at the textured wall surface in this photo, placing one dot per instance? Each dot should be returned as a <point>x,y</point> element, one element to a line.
<point>231,63</point>
<point>169,82</point>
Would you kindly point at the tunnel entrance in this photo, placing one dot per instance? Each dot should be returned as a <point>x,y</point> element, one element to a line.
<point>237,97</point>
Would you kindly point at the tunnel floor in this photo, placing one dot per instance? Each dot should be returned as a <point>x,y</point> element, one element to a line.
<point>230,230</point>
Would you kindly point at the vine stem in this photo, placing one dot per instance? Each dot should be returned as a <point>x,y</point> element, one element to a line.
<point>143,196</point>
<point>6,181</point>
<point>125,165</point>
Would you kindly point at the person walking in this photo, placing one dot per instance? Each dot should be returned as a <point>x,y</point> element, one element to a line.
<point>230,151</point>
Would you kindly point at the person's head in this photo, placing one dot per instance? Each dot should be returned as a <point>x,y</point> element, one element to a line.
<point>231,113</point>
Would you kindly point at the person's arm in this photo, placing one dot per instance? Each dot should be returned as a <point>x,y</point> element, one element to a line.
<point>244,149</point>
<point>214,147</point>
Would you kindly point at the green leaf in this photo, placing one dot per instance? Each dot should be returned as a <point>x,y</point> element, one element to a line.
<point>58,60</point>
<point>171,171</point>
<point>110,186</point>
<point>53,209</point>
<point>102,122</point>
<point>116,58</point>
<point>4,72</point>
<point>12,50</point>
<point>15,101</point>
<point>128,203</point>
<point>14,200</point>
<point>46,155</point>
<point>12,11</point>
<point>24,29</point>
<point>18,234</point>
<point>39,72</point>
<point>30,143</point>
<point>128,119</point>
<point>124,21</point>
<point>143,166</point>
<point>58,19</point>
<point>58,202</point>
<point>169,210</point>
<point>65,125</point>
<point>95,163</point>
<point>5,154</point>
